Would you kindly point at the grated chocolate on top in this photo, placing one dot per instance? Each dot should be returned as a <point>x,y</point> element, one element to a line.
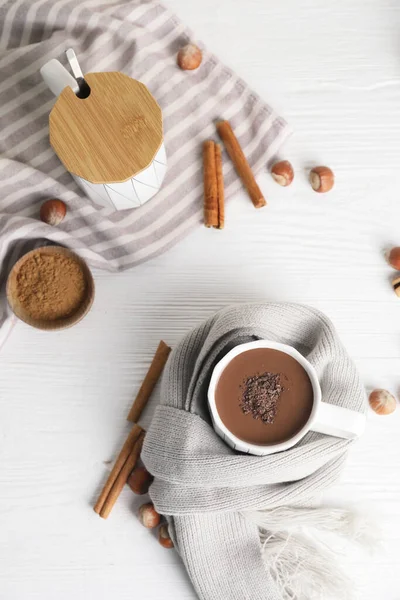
<point>260,396</point>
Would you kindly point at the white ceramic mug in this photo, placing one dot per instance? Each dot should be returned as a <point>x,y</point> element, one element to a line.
<point>324,418</point>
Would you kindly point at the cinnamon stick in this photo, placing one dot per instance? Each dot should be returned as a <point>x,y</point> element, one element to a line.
<point>210,185</point>
<point>122,478</point>
<point>240,162</point>
<point>220,186</point>
<point>149,382</point>
<point>127,448</point>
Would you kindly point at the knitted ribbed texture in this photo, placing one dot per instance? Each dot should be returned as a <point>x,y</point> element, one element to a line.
<point>202,484</point>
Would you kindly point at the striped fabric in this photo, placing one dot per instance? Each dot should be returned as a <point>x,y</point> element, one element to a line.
<point>140,38</point>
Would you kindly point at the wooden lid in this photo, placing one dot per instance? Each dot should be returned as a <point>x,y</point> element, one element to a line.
<point>111,135</point>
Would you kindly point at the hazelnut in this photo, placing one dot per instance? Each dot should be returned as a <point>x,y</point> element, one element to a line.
<point>189,57</point>
<point>382,402</point>
<point>282,172</point>
<point>396,285</point>
<point>393,258</point>
<point>163,537</point>
<point>53,212</point>
<point>148,516</point>
<point>140,480</point>
<point>322,179</point>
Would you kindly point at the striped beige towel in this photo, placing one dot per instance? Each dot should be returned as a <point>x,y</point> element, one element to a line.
<point>140,38</point>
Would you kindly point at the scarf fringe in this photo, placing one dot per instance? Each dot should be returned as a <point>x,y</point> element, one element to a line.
<point>297,552</point>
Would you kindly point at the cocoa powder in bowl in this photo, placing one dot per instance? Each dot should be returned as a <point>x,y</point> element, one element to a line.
<point>50,288</point>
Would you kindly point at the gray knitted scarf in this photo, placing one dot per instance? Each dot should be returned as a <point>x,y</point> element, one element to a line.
<point>210,493</point>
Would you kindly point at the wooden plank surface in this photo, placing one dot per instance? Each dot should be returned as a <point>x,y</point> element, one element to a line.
<point>333,70</point>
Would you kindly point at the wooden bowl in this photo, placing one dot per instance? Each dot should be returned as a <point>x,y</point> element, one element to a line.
<point>61,323</point>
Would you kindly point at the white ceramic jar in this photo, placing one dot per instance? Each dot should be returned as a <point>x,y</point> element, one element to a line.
<point>106,128</point>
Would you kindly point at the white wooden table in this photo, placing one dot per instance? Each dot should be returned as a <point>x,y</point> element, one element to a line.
<point>333,70</point>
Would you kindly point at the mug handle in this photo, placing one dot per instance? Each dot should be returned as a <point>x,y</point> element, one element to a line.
<point>338,421</point>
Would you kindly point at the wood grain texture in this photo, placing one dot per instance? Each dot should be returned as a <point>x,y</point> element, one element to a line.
<point>333,70</point>
<point>110,136</point>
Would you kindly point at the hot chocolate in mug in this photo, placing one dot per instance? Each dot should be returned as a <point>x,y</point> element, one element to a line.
<point>323,417</point>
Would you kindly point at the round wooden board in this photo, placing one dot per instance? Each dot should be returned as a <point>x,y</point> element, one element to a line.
<point>111,135</point>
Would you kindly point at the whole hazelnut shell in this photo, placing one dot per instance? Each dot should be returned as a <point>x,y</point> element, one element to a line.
<point>189,57</point>
<point>148,516</point>
<point>322,179</point>
<point>283,173</point>
<point>140,480</point>
<point>382,402</point>
<point>53,212</point>
<point>164,538</point>
<point>393,258</point>
<point>396,285</point>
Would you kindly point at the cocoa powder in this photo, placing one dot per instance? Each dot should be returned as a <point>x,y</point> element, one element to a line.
<point>50,286</point>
